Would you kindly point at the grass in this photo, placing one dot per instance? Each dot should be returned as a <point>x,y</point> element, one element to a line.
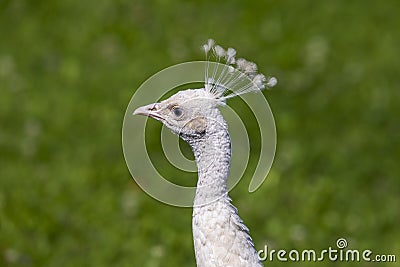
<point>67,72</point>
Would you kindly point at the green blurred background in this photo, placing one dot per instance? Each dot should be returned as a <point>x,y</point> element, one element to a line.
<point>67,72</point>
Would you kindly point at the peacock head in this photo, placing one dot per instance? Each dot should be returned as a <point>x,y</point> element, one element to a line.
<point>194,112</point>
<point>191,112</point>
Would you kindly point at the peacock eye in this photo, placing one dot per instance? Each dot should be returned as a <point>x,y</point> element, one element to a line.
<point>177,111</point>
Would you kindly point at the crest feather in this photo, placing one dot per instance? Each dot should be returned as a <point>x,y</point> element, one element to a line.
<point>231,77</point>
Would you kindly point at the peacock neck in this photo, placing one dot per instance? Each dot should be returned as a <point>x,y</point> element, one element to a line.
<point>213,154</point>
<point>220,237</point>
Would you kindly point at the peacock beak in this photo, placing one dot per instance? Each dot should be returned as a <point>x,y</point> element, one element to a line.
<point>150,110</point>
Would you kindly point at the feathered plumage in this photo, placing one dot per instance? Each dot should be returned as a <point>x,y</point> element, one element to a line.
<point>220,237</point>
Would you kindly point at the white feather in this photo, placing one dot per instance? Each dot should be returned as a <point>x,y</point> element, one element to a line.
<point>225,82</point>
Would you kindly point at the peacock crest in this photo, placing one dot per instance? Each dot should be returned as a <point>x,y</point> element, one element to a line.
<point>226,77</point>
